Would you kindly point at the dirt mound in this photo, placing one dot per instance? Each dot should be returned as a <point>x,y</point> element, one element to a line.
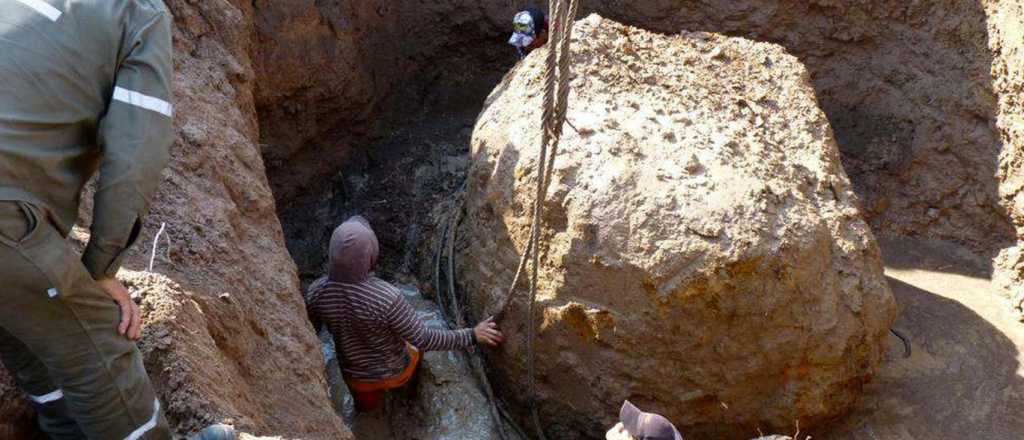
<point>705,254</point>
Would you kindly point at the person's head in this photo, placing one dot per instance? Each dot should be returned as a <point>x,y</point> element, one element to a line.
<point>353,251</point>
<point>638,425</point>
<point>524,30</point>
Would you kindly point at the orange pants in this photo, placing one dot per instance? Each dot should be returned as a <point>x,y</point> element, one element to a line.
<point>368,394</point>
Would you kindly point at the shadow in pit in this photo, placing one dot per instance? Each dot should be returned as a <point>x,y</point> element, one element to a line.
<point>905,253</point>
<point>401,181</point>
<point>962,380</point>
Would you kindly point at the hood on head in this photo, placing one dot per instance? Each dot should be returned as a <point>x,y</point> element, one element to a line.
<point>525,30</point>
<point>353,251</point>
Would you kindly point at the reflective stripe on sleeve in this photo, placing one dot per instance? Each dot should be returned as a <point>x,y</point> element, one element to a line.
<point>43,8</point>
<point>143,101</point>
<point>142,430</point>
<point>47,398</point>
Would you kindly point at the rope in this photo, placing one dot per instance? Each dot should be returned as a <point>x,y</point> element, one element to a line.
<point>156,241</point>
<point>555,109</point>
<point>448,239</point>
<point>556,103</point>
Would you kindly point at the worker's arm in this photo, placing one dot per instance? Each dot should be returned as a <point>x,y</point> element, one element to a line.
<point>402,320</point>
<point>134,135</point>
<point>310,297</point>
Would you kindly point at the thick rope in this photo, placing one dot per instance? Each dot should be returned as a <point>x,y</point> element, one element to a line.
<point>556,103</point>
<point>448,239</point>
<point>555,109</point>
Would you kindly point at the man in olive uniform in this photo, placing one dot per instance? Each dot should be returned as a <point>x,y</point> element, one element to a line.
<point>84,86</point>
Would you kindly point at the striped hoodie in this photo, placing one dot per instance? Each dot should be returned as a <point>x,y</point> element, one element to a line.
<point>370,319</point>
<point>371,322</point>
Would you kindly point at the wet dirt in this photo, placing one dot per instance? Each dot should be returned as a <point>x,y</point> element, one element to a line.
<point>964,378</point>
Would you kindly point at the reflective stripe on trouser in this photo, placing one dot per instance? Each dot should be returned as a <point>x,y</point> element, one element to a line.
<point>32,377</point>
<point>56,311</point>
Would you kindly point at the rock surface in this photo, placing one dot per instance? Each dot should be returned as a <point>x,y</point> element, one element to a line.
<point>449,403</point>
<point>226,338</point>
<point>1007,44</point>
<point>912,91</point>
<point>704,257</point>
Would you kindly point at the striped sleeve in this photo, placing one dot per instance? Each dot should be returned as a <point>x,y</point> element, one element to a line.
<point>312,293</point>
<point>403,321</point>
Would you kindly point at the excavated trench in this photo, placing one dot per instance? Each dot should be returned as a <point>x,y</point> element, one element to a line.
<point>908,91</point>
<point>402,175</point>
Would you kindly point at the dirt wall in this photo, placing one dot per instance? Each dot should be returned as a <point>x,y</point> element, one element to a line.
<point>325,68</point>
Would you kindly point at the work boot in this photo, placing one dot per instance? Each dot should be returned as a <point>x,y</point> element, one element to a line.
<point>216,432</point>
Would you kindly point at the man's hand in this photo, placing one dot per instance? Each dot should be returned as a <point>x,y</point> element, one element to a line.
<point>131,316</point>
<point>487,333</point>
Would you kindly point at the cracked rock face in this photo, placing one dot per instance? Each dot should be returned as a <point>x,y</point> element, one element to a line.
<point>1007,45</point>
<point>703,251</point>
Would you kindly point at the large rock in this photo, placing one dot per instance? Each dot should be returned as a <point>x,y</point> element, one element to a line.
<point>1007,45</point>
<point>704,254</point>
<point>911,90</point>
<point>449,403</point>
<point>226,336</point>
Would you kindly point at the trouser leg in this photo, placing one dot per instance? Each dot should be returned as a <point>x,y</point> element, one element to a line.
<point>53,307</point>
<point>46,396</point>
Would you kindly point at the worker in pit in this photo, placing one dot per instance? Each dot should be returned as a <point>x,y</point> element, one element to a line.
<point>86,86</point>
<point>530,31</point>
<point>377,333</point>
<point>638,425</point>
